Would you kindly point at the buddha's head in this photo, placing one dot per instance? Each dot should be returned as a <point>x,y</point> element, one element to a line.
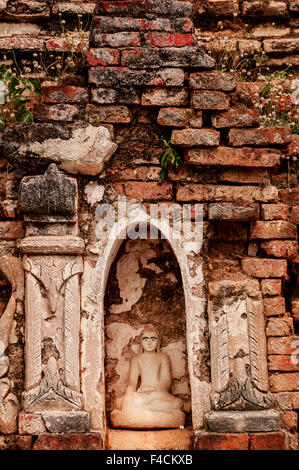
<point>150,339</point>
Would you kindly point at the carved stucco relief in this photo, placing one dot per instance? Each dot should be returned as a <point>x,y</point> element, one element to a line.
<point>11,269</point>
<point>52,333</point>
<point>238,346</point>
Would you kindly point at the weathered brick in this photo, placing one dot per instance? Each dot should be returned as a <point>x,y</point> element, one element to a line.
<point>195,137</point>
<point>226,156</point>
<point>64,94</point>
<point>295,308</point>
<point>103,56</point>
<point>59,44</point>
<point>275,211</point>
<point>122,76</point>
<point>148,190</point>
<point>229,231</point>
<point>281,249</point>
<point>223,8</point>
<point>283,346</point>
<point>260,8</point>
<point>144,8</point>
<point>264,267</point>
<point>10,230</point>
<point>110,114</point>
<point>274,306</point>
<point>260,136</point>
<point>169,39</point>
<point>230,211</point>
<point>265,31</point>
<point>271,287</point>
<point>284,382</point>
<point>68,442</point>
<point>215,441</point>
<point>73,8</point>
<point>289,196</point>
<point>273,229</point>
<point>110,25</point>
<point>164,97</point>
<point>294,5</point>
<point>294,217</point>
<point>209,100</point>
<point>281,45</point>
<point>279,327</point>
<point>27,9</point>
<point>13,442</point>
<point>110,96</point>
<point>268,441</point>
<point>244,175</point>
<point>57,112</point>
<point>223,193</point>
<point>290,419</point>
<point>178,117</point>
<point>293,148</point>
<point>213,81</point>
<point>120,39</point>
<point>249,45</point>
<point>236,117</point>
<point>282,363</point>
<point>21,43</point>
<point>188,56</point>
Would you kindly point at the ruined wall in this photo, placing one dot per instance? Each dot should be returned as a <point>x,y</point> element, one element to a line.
<point>240,161</point>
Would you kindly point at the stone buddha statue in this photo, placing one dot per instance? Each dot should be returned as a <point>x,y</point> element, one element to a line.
<point>150,405</point>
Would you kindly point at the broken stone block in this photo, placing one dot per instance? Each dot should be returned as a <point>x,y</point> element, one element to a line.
<point>243,421</point>
<point>66,421</point>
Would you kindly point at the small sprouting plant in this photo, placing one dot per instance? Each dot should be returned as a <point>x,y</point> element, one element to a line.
<point>275,104</point>
<point>169,157</point>
<point>17,95</point>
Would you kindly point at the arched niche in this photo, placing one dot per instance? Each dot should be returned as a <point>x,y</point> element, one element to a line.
<point>144,286</point>
<point>188,256</point>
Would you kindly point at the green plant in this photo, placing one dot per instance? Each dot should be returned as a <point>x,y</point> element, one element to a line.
<point>169,157</point>
<point>19,93</point>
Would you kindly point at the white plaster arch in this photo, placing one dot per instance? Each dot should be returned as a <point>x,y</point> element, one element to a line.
<point>93,343</point>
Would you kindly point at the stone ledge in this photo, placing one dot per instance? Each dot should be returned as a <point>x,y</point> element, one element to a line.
<point>243,421</point>
<point>52,245</point>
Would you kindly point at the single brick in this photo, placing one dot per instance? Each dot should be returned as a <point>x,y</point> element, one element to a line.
<point>10,230</point>
<point>188,56</point>
<point>268,441</point>
<point>264,267</point>
<point>281,249</point>
<point>144,8</point>
<point>223,193</point>
<point>165,97</point>
<point>121,39</point>
<point>284,382</point>
<point>216,441</point>
<point>273,229</point>
<point>58,112</point>
<point>260,136</point>
<point>288,46</point>
<point>66,45</point>
<point>174,117</point>
<point>103,56</point>
<point>169,39</point>
<point>275,211</point>
<point>14,442</point>
<point>223,8</point>
<point>283,363</point>
<point>209,100</point>
<point>231,211</point>
<point>274,306</point>
<point>64,94</point>
<point>110,96</point>
<point>119,24</point>
<point>283,346</point>
<point>259,8</point>
<point>195,137</point>
<point>68,442</point>
<point>110,114</point>
<point>236,117</point>
<point>271,287</point>
<point>226,156</point>
<point>213,81</point>
<point>280,327</point>
<point>148,190</point>
<point>21,43</point>
<point>290,419</point>
<point>123,76</point>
